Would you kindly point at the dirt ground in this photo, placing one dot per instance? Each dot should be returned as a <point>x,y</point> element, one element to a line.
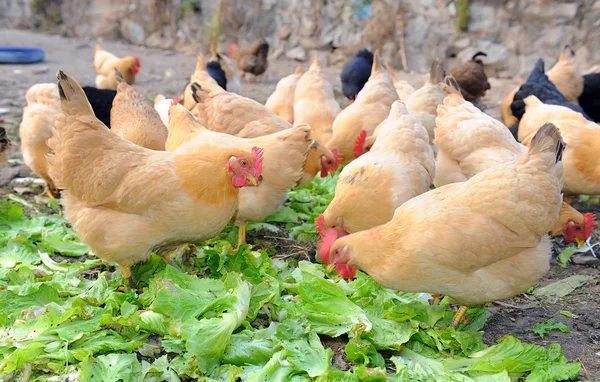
<point>167,72</point>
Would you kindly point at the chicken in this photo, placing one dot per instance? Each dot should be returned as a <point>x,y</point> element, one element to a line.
<point>105,64</point>
<point>423,102</point>
<point>589,100</point>
<point>43,104</point>
<point>101,101</point>
<point>284,155</point>
<point>281,102</point>
<point>5,145</point>
<point>201,77</point>
<point>231,72</point>
<point>399,167</point>
<point>564,75</point>
<point>470,142</point>
<point>133,118</point>
<point>403,88</point>
<point>471,78</point>
<point>371,107</point>
<point>315,104</point>
<point>162,105</point>
<point>356,73</point>
<point>252,59</point>
<point>214,69</point>
<point>232,114</point>
<point>539,84</point>
<point>582,137</point>
<point>125,201</point>
<point>476,241</point>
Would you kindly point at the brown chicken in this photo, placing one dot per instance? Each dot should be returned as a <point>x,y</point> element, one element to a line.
<point>105,64</point>
<point>284,155</point>
<point>43,105</point>
<point>399,167</point>
<point>564,74</point>
<point>315,104</point>
<point>476,241</point>
<point>403,88</point>
<point>581,159</point>
<point>133,118</point>
<point>252,59</point>
<point>423,102</point>
<point>471,78</point>
<point>201,77</point>
<point>5,145</point>
<point>281,102</point>
<point>470,142</point>
<point>125,201</point>
<point>371,107</point>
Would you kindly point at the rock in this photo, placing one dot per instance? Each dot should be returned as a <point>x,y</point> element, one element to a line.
<point>298,53</point>
<point>462,43</point>
<point>133,32</point>
<point>496,53</point>
<point>285,32</point>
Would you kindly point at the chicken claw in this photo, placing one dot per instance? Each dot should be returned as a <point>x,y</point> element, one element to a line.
<point>167,259</point>
<point>458,317</point>
<point>48,192</point>
<point>437,298</point>
<point>126,271</point>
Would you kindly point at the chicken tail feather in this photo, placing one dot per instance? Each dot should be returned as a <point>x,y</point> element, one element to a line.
<point>391,72</point>
<point>437,72</point>
<point>450,85</point>
<point>71,94</point>
<point>198,92</point>
<point>548,139</point>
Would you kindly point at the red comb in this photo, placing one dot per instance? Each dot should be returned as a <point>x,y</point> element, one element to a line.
<point>137,61</point>
<point>338,159</point>
<point>589,222</point>
<point>231,49</point>
<point>327,239</point>
<point>320,224</point>
<point>359,144</point>
<point>257,155</point>
<point>174,101</point>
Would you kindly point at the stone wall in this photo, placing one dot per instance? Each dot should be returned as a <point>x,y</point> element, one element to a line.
<point>514,33</point>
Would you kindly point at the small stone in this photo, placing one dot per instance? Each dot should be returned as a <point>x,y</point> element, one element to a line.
<point>23,190</point>
<point>298,53</point>
<point>40,70</point>
<point>133,32</point>
<point>285,32</point>
<point>462,43</point>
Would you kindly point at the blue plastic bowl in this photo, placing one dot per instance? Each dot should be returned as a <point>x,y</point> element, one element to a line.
<point>19,55</point>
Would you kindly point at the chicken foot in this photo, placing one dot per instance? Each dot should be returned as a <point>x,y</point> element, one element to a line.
<point>458,317</point>
<point>126,271</point>
<point>49,192</point>
<point>437,298</point>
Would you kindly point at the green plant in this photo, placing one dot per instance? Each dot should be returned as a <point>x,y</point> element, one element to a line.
<point>463,13</point>
<point>543,328</point>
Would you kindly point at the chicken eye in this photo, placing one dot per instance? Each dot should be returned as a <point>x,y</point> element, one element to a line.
<point>244,163</point>
<point>577,228</point>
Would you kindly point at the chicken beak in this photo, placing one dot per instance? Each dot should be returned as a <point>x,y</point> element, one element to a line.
<point>580,242</point>
<point>253,180</point>
<point>330,268</point>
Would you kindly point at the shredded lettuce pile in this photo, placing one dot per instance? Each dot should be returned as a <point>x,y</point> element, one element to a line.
<point>235,315</point>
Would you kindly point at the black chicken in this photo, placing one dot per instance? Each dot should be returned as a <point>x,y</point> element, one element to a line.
<point>356,73</point>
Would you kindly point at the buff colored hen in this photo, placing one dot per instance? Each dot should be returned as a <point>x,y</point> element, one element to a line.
<point>105,64</point>
<point>245,118</point>
<point>125,201</point>
<point>284,152</point>
<point>134,118</point>
<point>476,241</point>
<point>43,105</point>
<point>315,104</point>
<point>201,77</point>
<point>403,88</point>
<point>281,102</point>
<point>470,142</point>
<point>399,167</point>
<point>371,107</point>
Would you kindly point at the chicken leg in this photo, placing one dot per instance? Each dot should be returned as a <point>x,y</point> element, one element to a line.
<point>460,314</point>
<point>167,259</point>
<point>126,271</point>
<point>241,235</point>
<point>437,298</point>
<point>48,192</point>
